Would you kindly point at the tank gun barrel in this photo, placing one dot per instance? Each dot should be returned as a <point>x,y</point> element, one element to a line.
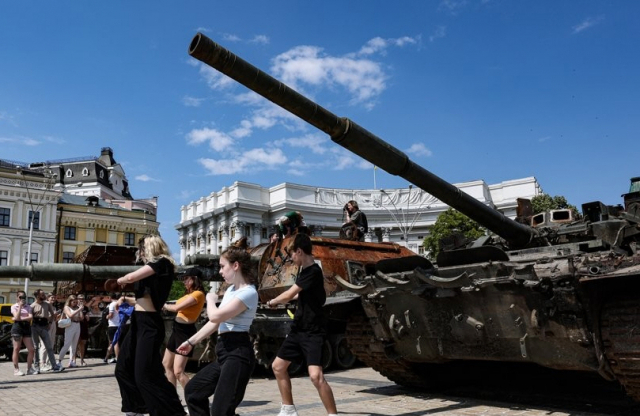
<point>356,139</point>
<point>66,272</point>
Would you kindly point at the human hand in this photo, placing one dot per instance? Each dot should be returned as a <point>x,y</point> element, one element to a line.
<point>212,297</point>
<point>184,348</point>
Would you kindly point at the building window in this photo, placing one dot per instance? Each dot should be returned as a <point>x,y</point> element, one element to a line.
<point>4,257</point>
<point>421,250</point>
<point>5,217</point>
<point>69,233</point>
<point>69,173</point>
<point>68,256</point>
<point>36,220</point>
<point>264,233</point>
<point>101,174</point>
<point>85,172</point>
<point>129,239</point>
<point>34,258</point>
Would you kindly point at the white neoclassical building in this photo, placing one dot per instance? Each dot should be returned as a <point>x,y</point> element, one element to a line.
<point>403,215</point>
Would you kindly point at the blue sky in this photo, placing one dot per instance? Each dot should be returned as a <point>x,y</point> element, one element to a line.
<point>470,89</point>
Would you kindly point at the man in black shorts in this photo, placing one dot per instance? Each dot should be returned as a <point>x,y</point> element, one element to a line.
<point>308,329</point>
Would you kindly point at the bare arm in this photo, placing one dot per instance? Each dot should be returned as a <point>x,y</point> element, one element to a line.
<point>228,311</point>
<point>141,273</point>
<point>204,332</point>
<point>183,304</point>
<point>287,296</point>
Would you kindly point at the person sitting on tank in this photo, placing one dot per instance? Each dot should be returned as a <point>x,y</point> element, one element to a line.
<point>289,223</point>
<point>356,226</point>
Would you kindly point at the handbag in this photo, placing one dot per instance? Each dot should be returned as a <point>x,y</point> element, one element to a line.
<point>64,322</point>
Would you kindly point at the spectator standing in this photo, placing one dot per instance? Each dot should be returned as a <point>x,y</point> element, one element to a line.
<point>226,378</point>
<point>21,333</point>
<point>187,309</point>
<point>308,330</point>
<point>72,311</point>
<point>46,364</point>
<point>139,372</point>
<point>43,315</point>
<point>113,321</point>
<point>84,329</point>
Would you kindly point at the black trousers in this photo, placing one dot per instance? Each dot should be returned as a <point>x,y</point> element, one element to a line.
<point>226,379</point>
<point>143,386</point>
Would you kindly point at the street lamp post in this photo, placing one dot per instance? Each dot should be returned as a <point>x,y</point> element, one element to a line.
<point>405,223</point>
<point>35,208</point>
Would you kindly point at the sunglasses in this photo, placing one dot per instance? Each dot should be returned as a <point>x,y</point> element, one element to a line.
<point>22,297</point>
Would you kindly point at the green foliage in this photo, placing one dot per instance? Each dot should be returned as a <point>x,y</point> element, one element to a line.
<point>544,202</point>
<point>447,223</point>
<point>177,290</point>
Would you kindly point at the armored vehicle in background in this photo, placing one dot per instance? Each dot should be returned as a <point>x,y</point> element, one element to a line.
<point>560,291</point>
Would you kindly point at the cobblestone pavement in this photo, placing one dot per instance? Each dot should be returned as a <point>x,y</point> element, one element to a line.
<point>92,390</point>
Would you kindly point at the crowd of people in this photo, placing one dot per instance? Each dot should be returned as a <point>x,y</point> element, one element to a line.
<point>148,379</point>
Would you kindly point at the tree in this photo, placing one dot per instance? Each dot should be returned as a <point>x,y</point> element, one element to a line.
<point>449,222</point>
<point>544,202</point>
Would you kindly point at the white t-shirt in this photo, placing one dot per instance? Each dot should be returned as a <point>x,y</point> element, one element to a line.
<point>115,316</point>
<point>240,323</point>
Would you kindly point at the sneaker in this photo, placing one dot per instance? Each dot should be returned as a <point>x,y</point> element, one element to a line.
<point>58,369</point>
<point>112,361</point>
<point>288,410</point>
<point>46,369</point>
<point>17,373</point>
<point>104,360</point>
<point>32,371</point>
<point>72,364</point>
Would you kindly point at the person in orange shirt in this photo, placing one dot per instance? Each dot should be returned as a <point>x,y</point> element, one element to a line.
<point>187,309</point>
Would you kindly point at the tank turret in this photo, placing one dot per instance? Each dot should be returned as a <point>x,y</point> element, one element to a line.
<point>554,289</point>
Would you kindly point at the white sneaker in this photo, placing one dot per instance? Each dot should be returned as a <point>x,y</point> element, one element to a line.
<point>17,373</point>
<point>46,369</point>
<point>288,410</point>
<point>32,371</point>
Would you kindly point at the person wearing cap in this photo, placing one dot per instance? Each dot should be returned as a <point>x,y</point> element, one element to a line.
<point>289,223</point>
<point>187,310</point>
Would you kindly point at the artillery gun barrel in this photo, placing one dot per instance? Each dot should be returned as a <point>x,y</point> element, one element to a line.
<point>65,272</point>
<point>356,139</point>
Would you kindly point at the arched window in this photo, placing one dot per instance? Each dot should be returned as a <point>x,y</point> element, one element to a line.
<point>85,172</point>
<point>69,173</point>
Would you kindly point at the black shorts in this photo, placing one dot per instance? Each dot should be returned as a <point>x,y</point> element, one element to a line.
<point>111,332</point>
<point>179,334</point>
<point>21,329</point>
<point>302,345</point>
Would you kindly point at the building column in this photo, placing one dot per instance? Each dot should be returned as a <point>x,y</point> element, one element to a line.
<point>368,236</point>
<point>203,242</point>
<point>225,236</point>
<point>386,234</point>
<point>191,242</point>
<point>183,250</point>
<point>257,234</point>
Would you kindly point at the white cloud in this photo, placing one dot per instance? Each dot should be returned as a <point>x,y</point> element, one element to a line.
<point>215,79</point>
<point>544,139</point>
<point>218,140</point>
<point>419,149</point>
<point>228,37</point>
<point>314,142</point>
<point>146,178</point>
<point>440,32</point>
<point>295,172</point>
<point>453,6</point>
<point>586,24</point>
<point>252,160</point>
<point>363,78</point>
<point>261,39</point>
<point>192,101</point>
<point>185,194</point>
<point>26,141</point>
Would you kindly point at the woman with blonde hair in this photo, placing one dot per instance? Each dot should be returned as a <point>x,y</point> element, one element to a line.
<point>139,372</point>
<point>72,311</point>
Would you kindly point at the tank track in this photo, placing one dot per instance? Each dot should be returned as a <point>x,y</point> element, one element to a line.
<point>370,351</point>
<point>620,329</point>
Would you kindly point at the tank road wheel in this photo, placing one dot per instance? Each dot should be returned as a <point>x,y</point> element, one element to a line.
<point>342,355</point>
<point>327,355</point>
<point>620,329</point>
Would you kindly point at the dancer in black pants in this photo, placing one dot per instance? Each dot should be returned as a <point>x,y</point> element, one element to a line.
<point>139,372</point>
<point>226,378</point>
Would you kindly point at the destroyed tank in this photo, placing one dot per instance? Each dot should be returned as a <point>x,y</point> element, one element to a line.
<point>551,289</point>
